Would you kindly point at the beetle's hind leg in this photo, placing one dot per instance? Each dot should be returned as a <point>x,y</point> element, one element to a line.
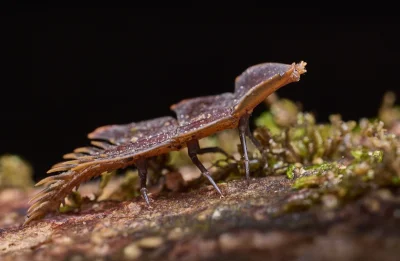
<point>193,151</point>
<point>141,165</point>
<point>243,129</point>
<point>212,150</point>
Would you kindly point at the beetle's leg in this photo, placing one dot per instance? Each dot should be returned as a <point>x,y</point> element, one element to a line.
<point>212,150</point>
<point>243,126</point>
<point>193,150</point>
<point>141,165</point>
<point>252,138</point>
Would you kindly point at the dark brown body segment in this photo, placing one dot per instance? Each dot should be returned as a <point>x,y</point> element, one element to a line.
<point>90,162</point>
<point>257,74</point>
<point>118,146</point>
<point>202,116</point>
<point>142,139</point>
<point>259,81</point>
<point>204,110</point>
<point>125,133</point>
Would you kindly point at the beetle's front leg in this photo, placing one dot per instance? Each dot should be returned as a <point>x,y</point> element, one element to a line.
<point>141,165</point>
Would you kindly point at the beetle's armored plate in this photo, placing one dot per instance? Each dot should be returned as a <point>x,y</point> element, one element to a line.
<point>256,83</point>
<point>199,117</point>
<point>118,146</point>
<point>143,139</point>
<point>128,141</point>
<point>258,74</point>
<point>132,132</point>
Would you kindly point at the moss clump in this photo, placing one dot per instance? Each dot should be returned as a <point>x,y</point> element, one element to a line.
<point>72,202</point>
<point>304,141</point>
<point>15,172</point>
<point>290,171</point>
<point>340,160</point>
<point>389,113</point>
<point>104,180</point>
<point>129,187</point>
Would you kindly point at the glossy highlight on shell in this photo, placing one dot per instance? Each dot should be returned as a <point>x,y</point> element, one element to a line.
<point>118,146</point>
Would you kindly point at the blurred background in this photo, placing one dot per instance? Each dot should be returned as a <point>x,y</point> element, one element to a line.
<point>67,71</point>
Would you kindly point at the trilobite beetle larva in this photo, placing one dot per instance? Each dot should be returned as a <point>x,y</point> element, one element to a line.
<point>119,146</point>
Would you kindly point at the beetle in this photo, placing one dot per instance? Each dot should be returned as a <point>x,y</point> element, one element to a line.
<point>118,146</point>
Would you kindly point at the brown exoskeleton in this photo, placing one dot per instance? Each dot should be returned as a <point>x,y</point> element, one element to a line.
<point>119,146</point>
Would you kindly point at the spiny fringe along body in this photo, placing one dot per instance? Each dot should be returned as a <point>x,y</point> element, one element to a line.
<point>118,146</point>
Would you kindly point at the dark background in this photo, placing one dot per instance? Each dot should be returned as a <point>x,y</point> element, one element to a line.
<point>67,71</point>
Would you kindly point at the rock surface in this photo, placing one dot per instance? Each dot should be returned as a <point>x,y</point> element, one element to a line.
<point>249,223</point>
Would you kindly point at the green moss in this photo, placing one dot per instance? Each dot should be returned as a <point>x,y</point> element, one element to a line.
<point>73,201</point>
<point>307,182</point>
<point>129,187</point>
<point>104,180</point>
<point>389,113</point>
<point>362,155</point>
<point>319,168</point>
<point>339,159</point>
<point>266,119</point>
<point>15,172</point>
<point>396,181</point>
<point>290,171</point>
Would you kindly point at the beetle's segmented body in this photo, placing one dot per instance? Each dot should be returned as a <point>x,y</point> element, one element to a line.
<point>119,146</point>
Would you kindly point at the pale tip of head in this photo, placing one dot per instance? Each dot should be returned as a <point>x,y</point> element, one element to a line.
<point>301,67</point>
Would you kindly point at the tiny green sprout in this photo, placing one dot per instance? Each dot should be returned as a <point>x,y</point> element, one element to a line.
<point>298,133</point>
<point>357,154</point>
<point>322,167</point>
<point>66,208</point>
<point>363,155</point>
<point>74,202</point>
<point>377,155</point>
<point>300,148</point>
<point>319,143</point>
<point>305,118</point>
<point>290,171</point>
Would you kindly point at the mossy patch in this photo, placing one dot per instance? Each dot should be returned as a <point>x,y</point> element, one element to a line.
<point>15,172</point>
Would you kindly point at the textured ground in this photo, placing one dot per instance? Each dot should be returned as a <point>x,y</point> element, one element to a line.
<point>249,223</point>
